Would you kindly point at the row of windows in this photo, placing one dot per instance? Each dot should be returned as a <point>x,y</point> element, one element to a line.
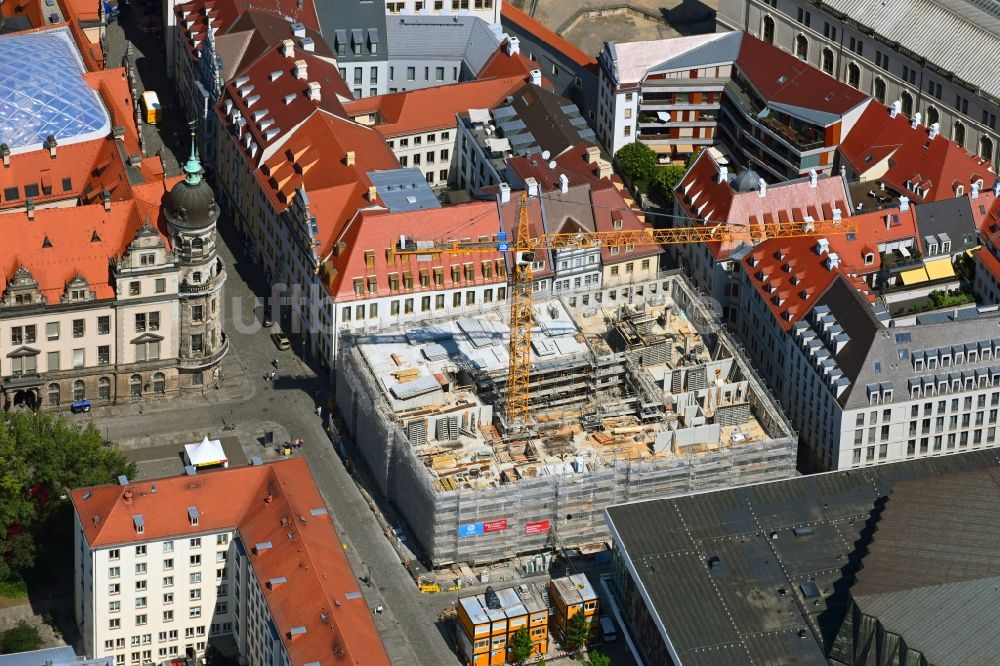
<point>34,190</point>
<point>28,334</point>
<point>357,312</point>
<point>438,5</point>
<point>418,140</point>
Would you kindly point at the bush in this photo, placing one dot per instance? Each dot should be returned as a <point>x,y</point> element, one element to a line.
<point>665,180</point>
<point>21,638</point>
<point>637,161</point>
<point>13,589</point>
<point>599,659</point>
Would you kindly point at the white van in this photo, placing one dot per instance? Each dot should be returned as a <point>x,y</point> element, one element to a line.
<point>608,629</point>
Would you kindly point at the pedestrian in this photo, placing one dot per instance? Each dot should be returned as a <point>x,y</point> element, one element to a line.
<point>275,362</point>
<point>319,411</point>
<point>273,375</point>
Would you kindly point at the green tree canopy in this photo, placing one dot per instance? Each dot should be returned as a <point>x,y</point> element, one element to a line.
<point>598,659</point>
<point>521,647</point>
<point>577,632</point>
<point>22,637</point>
<point>636,160</point>
<point>666,178</point>
<point>41,456</point>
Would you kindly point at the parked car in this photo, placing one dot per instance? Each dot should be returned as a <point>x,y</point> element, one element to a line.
<point>281,341</point>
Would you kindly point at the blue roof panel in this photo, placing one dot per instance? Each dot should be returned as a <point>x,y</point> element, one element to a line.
<point>42,92</point>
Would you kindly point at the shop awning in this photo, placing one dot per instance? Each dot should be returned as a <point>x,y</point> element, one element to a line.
<point>684,148</point>
<point>940,269</point>
<point>914,276</point>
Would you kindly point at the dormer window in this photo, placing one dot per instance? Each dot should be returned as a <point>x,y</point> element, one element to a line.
<point>946,247</point>
<point>932,248</point>
<point>869,258</point>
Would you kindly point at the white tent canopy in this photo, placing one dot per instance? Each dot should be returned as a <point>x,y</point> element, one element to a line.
<point>205,453</point>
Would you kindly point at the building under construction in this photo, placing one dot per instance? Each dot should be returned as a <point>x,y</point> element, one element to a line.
<point>629,401</point>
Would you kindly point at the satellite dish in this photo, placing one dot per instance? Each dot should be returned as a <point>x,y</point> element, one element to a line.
<point>545,154</point>
<point>552,164</point>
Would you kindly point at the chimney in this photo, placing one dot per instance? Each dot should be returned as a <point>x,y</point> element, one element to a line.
<point>904,204</point>
<point>287,48</point>
<point>832,261</point>
<point>604,169</point>
<point>836,215</point>
<point>513,46</point>
<point>723,174</point>
<point>300,69</point>
<point>51,143</point>
<point>975,190</point>
<point>822,246</point>
<point>314,93</point>
<point>813,177</point>
<point>349,158</point>
<point>106,198</point>
<point>593,154</point>
<point>888,222</point>
<point>763,187</point>
<point>895,108</point>
<point>536,77</point>
<point>298,30</point>
<point>504,193</point>
<point>935,130</point>
<point>5,152</point>
<point>307,44</point>
<point>372,193</point>
<point>563,183</point>
<point>532,185</point>
<point>916,120</point>
<point>29,206</point>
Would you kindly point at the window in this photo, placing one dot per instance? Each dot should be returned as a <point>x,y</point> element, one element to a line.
<point>168,564</point>
<point>168,581</point>
<point>958,133</point>
<point>52,330</point>
<point>194,594</point>
<point>411,73</point>
<point>854,75</point>
<point>78,358</point>
<point>134,288</point>
<point>194,611</point>
<point>53,361</point>
<point>161,285</point>
<point>195,560</point>
<point>197,313</point>
<point>878,90</point>
<point>80,394</point>
<point>140,322</point>
<point>767,32</point>
<point>197,343</point>
<point>439,73</point>
<point>103,326</point>
<point>135,386</point>
<point>140,568</point>
<point>986,148</point>
<point>906,100</point>
<point>140,602</point>
<point>804,17</point>
<point>168,616</point>
<point>159,383</point>
<point>115,623</point>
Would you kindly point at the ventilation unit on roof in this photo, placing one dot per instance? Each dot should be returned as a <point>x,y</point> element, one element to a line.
<point>492,600</point>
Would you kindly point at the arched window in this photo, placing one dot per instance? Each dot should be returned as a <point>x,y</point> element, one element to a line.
<point>932,116</point>
<point>801,47</point>
<point>986,148</point>
<point>878,90</point>
<point>79,391</point>
<point>906,103</point>
<point>958,133</point>
<point>768,31</point>
<point>104,389</point>
<point>854,75</point>
<point>53,395</point>
<point>135,386</point>
<point>826,61</point>
<point>159,384</point>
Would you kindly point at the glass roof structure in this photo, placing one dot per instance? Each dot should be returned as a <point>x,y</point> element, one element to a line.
<point>42,92</point>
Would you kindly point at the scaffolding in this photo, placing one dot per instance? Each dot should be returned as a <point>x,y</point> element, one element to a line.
<point>646,403</point>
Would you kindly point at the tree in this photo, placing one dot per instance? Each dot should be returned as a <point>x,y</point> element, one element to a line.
<point>666,179</point>
<point>42,456</point>
<point>598,659</point>
<point>637,161</point>
<point>521,647</point>
<point>577,632</point>
<point>20,638</point>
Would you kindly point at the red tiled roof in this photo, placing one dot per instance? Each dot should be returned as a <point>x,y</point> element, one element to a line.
<point>703,197</point>
<point>528,24</point>
<point>500,65</point>
<point>269,96</point>
<point>789,275</point>
<point>222,14</point>
<point>376,231</point>
<point>936,165</point>
<point>81,10</point>
<point>265,503</point>
<point>989,262</point>
<point>30,9</point>
<point>781,77</point>
<point>872,231</point>
<point>433,108</point>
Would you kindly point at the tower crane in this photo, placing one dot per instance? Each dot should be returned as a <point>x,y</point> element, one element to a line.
<point>525,245</point>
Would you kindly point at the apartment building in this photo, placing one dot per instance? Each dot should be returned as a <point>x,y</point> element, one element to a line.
<point>427,51</point>
<point>487,10</point>
<point>894,53</point>
<point>370,288</point>
<point>166,567</point>
<point>858,390</point>
<point>709,194</point>
<point>910,159</point>
<point>421,126</point>
<point>487,623</point>
<point>730,90</point>
<point>98,269</point>
<point>571,71</point>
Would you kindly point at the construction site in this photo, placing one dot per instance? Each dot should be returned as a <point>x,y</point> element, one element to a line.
<point>628,401</point>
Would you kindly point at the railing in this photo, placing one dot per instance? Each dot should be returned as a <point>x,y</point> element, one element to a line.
<point>190,363</point>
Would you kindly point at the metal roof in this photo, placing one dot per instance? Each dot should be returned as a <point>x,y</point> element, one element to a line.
<point>418,386</point>
<point>465,39</point>
<point>723,50</point>
<point>43,93</point>
<point>403,189</point>
<point>749,605</point>
<point>918,25</point>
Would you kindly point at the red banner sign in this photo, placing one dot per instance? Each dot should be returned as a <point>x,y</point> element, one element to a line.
<point>537,527</point>
<point>494,525</point>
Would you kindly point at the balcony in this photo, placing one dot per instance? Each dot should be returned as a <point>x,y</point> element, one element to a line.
<point>801,141</point>
<point>202,361</point>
